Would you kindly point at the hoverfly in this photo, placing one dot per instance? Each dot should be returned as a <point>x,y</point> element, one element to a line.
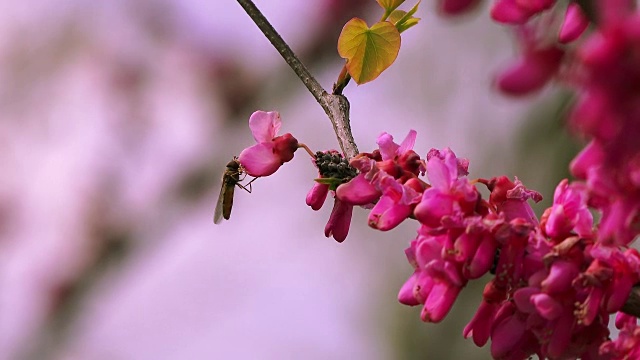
<point>230,179</point>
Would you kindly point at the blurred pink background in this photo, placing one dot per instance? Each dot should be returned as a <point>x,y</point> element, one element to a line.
<point>116,120</point>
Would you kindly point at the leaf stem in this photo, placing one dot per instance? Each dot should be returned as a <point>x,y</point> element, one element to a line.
<point>386,14</point>
<point>335,106</point>
<point>343,80</point>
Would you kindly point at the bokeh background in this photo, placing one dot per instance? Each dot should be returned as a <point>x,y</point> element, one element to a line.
<point>117,118</point>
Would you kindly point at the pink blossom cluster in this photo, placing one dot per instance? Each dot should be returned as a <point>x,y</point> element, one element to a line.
<point>555,280</point>
<point>607,111</point>
<point>626,346</point>
<point>555,283</point>
<point>546,43</point>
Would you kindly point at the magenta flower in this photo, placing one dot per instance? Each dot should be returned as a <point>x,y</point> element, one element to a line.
<point>399,158</point>
<point>511,11</point>
<point>271,151</point>
<point>389,150</point>
<point>396,203</point>
<point>333,170</point>
<point>626,346</point>
<point>317,195</point>
<point>450,193</point>
<point>569,212</point>
<point>574,24</point>
<point>456,7</point>
<point>479,328</point>
<point>360,190</point>
<point>510,199</point>
<point>386,171</point>
<point>435,283</point>
<point>339,221</point>
<point>534,69</point>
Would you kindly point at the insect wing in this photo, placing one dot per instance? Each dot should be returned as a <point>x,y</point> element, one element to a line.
<point>217,215</point>
<point>230,179</point>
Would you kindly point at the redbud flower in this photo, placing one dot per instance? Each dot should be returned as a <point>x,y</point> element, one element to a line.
<point>339,221</point>
<point>626,346</point>
<point>317,195</point>
<point>569,212</point>
<point>534,69</point>
<point>333,170</point>
<point>511,198</point>
<point>390,150</point>
<point>574,24</point>
<point>397,161</point>
<point>450,193</point>
<point>435,283</point>
<point>456,7</point>
<point>510,12</point>
<point>271,151</point>
<point>395,205</point>
<point>360,190</point>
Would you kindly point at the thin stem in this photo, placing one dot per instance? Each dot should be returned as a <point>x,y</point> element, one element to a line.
<point>289,56</point>
<point>335,106</point>
<point>304,146</point>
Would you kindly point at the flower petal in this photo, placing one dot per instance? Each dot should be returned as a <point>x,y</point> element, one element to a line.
<point>358,191</point>
<point>259,160</point>
<point>339,221</point>
<point>408,142</point>
<point>264,125</point>
<point>574,24</point>
<point>317,195</point>
<point>388,149</point>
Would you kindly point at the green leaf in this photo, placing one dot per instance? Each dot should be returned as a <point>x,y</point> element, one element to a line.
<point>389,5</point>
<point>332,182</point>
<point>396,16</point>
<point>369,51</point>
<point>404,20</point>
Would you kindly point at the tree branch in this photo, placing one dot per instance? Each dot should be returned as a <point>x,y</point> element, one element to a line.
<point>335,106</point>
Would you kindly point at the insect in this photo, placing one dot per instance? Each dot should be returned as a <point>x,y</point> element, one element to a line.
<point>230,179</point>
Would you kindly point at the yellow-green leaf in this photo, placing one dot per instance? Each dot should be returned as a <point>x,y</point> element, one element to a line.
<point>396,16</point>
<point>390,5</point>
<point>404,20</point>
<point>401,21</point>
<point>369,51</point>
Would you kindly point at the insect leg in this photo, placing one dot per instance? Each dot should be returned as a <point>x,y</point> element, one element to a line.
<point>247,187</point>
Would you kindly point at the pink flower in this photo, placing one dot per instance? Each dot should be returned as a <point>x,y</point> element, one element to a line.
<point>435,283</point>
<point>450,193</point>
<point>317,195</point>
<point>569,212</point>
<point>535,68</point>
<point>626,346</point>
<point>396,203</point>
<point>339,221</point>
<point>509,336</point>
<point>386,171</point>
<point>360,190</point>
<point>333,170</point>
<point>511,198</point>
<point>574,24</point>
<point>479,328</point>
<point>399,158</point>
<point>456,7</point>
<point>271,151</point>
<point>390,150</point>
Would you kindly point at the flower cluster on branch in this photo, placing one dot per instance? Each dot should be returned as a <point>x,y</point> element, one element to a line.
<point>555,281</point>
